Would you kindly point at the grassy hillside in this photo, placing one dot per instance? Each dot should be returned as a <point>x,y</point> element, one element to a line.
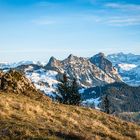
<point>22,117</point>
<point>26,113</point>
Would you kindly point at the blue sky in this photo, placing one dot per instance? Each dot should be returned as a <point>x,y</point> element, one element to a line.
<point>38,29</point>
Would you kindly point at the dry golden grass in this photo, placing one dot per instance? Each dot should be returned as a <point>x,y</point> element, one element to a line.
<point>24,118</point>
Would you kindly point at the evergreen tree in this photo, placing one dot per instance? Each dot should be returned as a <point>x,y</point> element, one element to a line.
<point>106,104</point>
<point>75,96</point>
<point>69,91</point>
<point>63,89</point>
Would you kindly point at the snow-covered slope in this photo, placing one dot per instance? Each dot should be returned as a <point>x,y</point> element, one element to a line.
<point>128,66</point>
<point>44,80</point>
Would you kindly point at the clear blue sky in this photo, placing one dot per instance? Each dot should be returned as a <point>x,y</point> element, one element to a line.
<point>38,29</point>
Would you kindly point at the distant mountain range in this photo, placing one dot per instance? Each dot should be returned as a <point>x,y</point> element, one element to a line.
<point>95,71</point>
<point>89,72</point>
<point>128,66</point>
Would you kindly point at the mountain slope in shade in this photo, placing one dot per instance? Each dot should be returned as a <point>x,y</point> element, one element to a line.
<point>128,66</point>
<point>122,97</point>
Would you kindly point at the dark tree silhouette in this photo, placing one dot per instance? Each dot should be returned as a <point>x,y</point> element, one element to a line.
<point>106,104</point>
<point>4,83</point>
<point>69,91</point>
<point>63,89</point>
<point>75,96</point>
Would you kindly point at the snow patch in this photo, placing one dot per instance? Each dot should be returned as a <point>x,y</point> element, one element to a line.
<point>81,90</point>
<point>92,103</point>
<point>127,67</point>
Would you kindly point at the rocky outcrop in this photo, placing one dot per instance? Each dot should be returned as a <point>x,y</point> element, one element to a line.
<point>15,81</point>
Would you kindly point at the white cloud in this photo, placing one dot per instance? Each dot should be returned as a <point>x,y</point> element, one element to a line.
<point>119,21</point>
<point>123,6</point>
<point>124,21</point>
<point>128,16</point>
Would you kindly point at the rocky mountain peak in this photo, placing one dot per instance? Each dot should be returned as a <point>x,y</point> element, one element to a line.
<point>103,63</point>
<point>95,71</point>
<point>53,62</point>
<point>89,72</point>
<point>72,57</point>
<point>100,55</point>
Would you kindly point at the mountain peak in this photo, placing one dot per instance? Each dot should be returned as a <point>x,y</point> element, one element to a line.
<point>101,54</point>
<point>53,64</point>
<point>104,64</point>
<point>53,61</point>
<point>72,57</point>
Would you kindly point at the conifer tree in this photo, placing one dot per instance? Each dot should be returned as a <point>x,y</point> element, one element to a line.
<point>75,96</point>
<point>69,91</point>
<point>106,104</point>
<point>63,89</point>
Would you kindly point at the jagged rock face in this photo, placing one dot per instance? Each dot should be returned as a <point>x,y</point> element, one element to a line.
<point>54,64</point>
<point>82,69</point>
<point>103,63</point>
<point>100,61</point>
<point>14,81</point>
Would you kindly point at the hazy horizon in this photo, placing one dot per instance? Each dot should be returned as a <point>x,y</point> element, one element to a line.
<point>46,60</point>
